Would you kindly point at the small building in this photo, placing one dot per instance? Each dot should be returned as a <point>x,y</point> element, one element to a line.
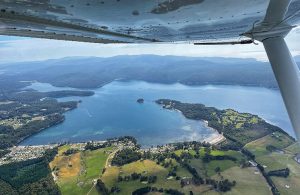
<point>186,181</point>
<point>252,163</point>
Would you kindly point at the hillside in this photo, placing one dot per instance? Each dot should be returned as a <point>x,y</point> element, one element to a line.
<point>95,72</point>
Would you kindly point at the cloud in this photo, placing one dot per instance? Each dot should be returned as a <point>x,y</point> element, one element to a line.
<point>14,49</point>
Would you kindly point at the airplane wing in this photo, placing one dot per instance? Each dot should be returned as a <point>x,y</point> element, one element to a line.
<point>135,21</point>
<point>276,11</point>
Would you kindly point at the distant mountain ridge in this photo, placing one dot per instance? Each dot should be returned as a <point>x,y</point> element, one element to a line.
<point>94,72</point>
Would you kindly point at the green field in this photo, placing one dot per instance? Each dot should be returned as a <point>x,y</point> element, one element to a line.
<point>238,119</point>
<point>179,152</point>
<point>147,168</point>
<point>208,169</point>
<point>224,165</point>
<point>182,172</point>
<point>292,181</point>
<point>279,140</point>
<point>63,148</point>
<point>94,162</point>
<point>279,160</point>
<point>87,166</point>
<point>213,152</point>
<point>77,172</point>
<point>294,148</point>
<point>248,183</point>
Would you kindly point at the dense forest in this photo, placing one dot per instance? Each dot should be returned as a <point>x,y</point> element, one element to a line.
<point>125,156</point>
<point>28,112</point>
<point>14,136</point>
<point>29,96</point>
<point>29,177</point>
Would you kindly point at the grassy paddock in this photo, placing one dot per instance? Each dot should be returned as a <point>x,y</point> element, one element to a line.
<point>277,160</point>
<point>145,167</point>
<point>248,182</point>
<point>292,182</point>
<point>279,140</point>
<point>223,164</point>
<point>76,172</point>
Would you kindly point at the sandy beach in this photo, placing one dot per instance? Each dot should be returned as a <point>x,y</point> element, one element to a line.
<point>215,138</point>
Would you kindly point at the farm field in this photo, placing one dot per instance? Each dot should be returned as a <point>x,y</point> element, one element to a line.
<point>153,168</point>
<point>76,173</point>
<point>208,169</point>
<point>79,171</point>
<point>248,181</point>
<point>146,168</point>
<point>279,159</point>
<point>274,161</point>
<point>278,140</point>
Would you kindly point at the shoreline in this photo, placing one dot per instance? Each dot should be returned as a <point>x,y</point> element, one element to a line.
<point>20,153</point>
<point>215,138</point>
<point>212,137</point>
<point>160,83</point>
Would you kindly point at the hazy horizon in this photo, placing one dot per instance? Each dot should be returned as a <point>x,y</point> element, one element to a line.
<point>21,49</point>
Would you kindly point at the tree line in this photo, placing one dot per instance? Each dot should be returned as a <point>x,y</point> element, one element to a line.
<point>30,176</point>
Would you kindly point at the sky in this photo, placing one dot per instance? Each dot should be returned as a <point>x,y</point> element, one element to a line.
<point>16,49</point>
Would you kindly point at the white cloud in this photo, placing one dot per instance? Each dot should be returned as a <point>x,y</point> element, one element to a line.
<point>16,50</point>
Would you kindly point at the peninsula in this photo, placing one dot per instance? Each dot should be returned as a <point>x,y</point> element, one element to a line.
<point>24,113</point>
<point>238,128</point>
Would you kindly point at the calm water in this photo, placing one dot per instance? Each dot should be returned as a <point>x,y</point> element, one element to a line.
<point>113,111</point>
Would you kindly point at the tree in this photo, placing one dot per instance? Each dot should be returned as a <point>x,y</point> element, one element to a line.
<point>135,176</point>
<point>126,156</point>
<point>207,150</point>
<point>100,186</point>
<point>217,169</point>
<point>143,190</point>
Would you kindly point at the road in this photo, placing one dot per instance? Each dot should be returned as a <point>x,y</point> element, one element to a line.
<point>107,164</point>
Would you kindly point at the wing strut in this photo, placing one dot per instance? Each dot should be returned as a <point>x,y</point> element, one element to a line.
<point>271,32</point>
<point>287,76</point>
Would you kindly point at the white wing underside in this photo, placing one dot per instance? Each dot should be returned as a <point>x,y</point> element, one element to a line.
<point>139,21</point>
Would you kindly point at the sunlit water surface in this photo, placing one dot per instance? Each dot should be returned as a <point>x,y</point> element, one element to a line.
<point>113,111</point>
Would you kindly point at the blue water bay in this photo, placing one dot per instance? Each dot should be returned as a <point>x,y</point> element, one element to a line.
<point>113,111</point>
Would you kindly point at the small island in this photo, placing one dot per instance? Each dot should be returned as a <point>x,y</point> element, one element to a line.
<point>140,100</point>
